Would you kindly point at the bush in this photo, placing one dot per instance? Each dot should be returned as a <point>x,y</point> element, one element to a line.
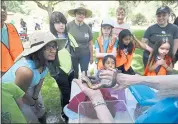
<point>139,19</point>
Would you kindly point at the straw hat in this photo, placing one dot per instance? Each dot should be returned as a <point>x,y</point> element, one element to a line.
<point>38,40</point>
<point>72,12</point>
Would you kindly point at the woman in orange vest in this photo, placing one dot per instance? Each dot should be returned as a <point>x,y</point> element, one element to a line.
<point>125,52</point>
<point>161,57</point>
<point>105,44</point>
<point>11,45</point>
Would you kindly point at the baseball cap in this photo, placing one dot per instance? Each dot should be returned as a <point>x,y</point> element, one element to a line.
<point>164,9</point>
<point>107,22</point>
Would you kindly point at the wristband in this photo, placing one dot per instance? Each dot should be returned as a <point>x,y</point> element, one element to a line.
<point>32,105</point>
<point>98,102</point>
<point>34,98</point>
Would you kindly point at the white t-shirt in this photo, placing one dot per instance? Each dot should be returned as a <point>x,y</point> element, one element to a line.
<point>118,28</point>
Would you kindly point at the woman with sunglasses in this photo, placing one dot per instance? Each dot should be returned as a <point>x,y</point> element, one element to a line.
<point>83,35</point>
<point>29,71</point>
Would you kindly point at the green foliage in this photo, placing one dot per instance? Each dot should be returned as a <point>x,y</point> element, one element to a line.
<point>139,19</point>
<point>51,95</point>
<point>139,34</point>
<point>16,6</point>
<point>95,36</point>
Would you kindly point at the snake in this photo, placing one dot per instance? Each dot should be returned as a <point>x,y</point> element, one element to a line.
<point>96,83</point>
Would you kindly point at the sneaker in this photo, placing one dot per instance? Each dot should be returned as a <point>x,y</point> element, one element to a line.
<point>64,118</point>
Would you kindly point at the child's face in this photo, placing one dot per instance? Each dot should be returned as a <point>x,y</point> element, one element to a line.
<point>126,40</point>
<point>164,49</point>
<point>106,30</point>
<point>120,16</point>
<point>110,63</point>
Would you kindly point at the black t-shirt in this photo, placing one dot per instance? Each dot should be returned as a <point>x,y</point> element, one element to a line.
<point>156,33</point>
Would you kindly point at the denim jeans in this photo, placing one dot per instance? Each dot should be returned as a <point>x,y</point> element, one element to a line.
<point>83,60</point>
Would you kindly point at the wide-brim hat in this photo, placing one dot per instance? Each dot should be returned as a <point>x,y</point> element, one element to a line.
<point>39,39</point>
<point>73,11</point>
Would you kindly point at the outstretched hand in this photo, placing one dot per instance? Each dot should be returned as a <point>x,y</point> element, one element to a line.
<point>92,94</point>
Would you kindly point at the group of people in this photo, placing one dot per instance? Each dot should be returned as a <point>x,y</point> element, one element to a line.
<point>67,45</point>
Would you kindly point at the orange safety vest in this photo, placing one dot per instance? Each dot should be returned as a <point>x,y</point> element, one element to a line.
<point>109,50</point>
<point>123,59</point>
<point>162,70</point>
<point>15,48</point>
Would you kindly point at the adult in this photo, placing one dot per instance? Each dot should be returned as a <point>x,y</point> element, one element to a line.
<point>23,25</point>
<point>29,71</point>
<point>159,30</point>
<point>63,71</point>
<point>176,23</point>
<point>83,35</point>
<point>11,45</point>
<point>158,113</point>
<point>119,24</point>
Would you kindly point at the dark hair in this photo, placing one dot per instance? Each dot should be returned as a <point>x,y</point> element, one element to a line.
<point>124,33</point>
<point>38,58</point>
<point>176,21</point>
<point>155,50</point>
<point>109,56</point>
<point>57,17</point>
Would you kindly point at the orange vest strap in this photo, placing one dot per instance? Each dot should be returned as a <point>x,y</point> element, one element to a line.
<point>162,70</point>
<point>109,50</point>
<point>15,48</point>
<point>123,59</point>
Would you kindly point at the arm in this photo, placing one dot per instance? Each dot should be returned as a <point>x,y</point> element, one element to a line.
<point>23,79</point>
<point>101,55</point>
<point>152,67</point>
<point>90,44</point>
<point>175,36</point>
<point>166,84</point>
<point>37,89</point>
<point>91,51</point>
<point>102,111</point>
<point>175,47</point>
<point>143,44</point>
<point>168,68</point>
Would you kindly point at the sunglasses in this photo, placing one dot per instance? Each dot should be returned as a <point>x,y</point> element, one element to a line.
<point>80,13</point>
<point>51,47</point>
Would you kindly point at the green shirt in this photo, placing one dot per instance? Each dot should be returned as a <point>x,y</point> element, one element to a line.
<point>10,112</point>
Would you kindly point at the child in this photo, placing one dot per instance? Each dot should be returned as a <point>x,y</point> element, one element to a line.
<point>71,110</point>
<point>109,61</point>
<point>105,44</point>
<point>120,24</point>
<point>161,58</point>
<point>159,63</point>
<point>125,52</point>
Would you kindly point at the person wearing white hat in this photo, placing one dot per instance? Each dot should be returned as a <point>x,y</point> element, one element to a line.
<point>105,44</point>
<point>29,71</point>
<point>83,35</point>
